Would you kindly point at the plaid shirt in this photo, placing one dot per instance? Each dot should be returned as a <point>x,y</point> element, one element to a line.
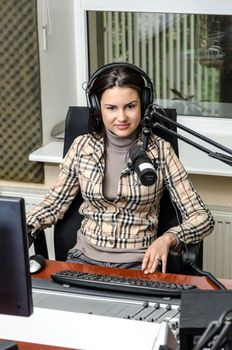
<point>131,220</point>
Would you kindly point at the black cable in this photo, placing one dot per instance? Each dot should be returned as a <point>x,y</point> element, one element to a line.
<point>187,259</point>
<point>205,273</point>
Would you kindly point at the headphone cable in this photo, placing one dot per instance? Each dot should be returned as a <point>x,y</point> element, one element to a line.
<point>187,259</point>
<point>185,255</point>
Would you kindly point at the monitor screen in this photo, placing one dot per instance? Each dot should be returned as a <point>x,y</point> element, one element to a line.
<point>15,285</point>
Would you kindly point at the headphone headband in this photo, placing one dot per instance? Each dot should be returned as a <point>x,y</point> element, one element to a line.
<point>120,64</point>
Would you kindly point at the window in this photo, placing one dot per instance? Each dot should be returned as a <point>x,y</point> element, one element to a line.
<point>188,57</point>
<point>181,46</point>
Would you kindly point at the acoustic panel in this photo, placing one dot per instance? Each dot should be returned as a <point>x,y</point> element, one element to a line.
<point>20,103</point>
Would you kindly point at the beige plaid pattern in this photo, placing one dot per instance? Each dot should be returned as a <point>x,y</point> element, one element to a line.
<point>131,220</point>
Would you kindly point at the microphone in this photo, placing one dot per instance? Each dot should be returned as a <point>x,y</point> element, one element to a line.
<point>142,165</point>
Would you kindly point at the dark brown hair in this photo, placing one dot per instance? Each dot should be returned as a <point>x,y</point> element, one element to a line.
<point>122,75</point>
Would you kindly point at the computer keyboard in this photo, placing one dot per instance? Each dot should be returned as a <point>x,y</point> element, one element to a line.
<point>120,283</point>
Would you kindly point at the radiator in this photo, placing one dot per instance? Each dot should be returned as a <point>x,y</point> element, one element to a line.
<point>217,255</point>
<point>217,248</point>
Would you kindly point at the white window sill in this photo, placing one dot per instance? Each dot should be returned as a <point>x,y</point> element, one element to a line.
<point>50,153</point>
<point>194,160</point>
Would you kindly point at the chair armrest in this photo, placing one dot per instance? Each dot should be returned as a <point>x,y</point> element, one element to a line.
<point>194,254</point>
<point>40,244</point>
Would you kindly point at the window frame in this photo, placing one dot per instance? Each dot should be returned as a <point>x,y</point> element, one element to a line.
<point>217,128</point>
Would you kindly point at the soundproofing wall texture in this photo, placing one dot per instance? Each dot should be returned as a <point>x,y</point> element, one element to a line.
<point>20,108</point>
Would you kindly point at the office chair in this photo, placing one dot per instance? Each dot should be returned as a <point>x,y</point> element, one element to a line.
<point>65,230</point>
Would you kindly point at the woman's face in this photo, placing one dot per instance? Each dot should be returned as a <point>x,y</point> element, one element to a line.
<point>121,110</point>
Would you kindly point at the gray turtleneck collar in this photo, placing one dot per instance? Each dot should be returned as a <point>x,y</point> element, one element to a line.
<point>116,161</point>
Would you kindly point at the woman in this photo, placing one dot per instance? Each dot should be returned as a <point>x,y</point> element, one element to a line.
<point>120,213</point>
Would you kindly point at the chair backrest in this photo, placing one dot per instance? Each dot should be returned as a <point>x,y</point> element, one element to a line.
<point>66,229</point>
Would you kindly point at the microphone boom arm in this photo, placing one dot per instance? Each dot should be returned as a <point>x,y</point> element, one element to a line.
<point>216,155</point>
<point>222,157</point>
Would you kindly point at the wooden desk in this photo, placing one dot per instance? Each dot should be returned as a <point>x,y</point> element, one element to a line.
<point>201,282</point>
<point>53,266</point>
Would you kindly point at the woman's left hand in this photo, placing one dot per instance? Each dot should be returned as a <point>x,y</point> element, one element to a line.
<point>157,253</point>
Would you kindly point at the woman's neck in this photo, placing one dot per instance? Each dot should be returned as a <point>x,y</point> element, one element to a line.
<point>120,143</point>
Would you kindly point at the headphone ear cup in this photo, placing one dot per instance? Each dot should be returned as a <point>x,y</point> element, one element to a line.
<point>94,105</point>
<point>146,99</point>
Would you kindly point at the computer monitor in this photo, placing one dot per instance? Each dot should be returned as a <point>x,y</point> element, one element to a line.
<point>15,279</point>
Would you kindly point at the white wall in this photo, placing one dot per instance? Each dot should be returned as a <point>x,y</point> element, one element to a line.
<point>57,61</point>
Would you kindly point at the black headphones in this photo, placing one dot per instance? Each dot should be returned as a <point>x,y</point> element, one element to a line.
<point>92,100</point>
